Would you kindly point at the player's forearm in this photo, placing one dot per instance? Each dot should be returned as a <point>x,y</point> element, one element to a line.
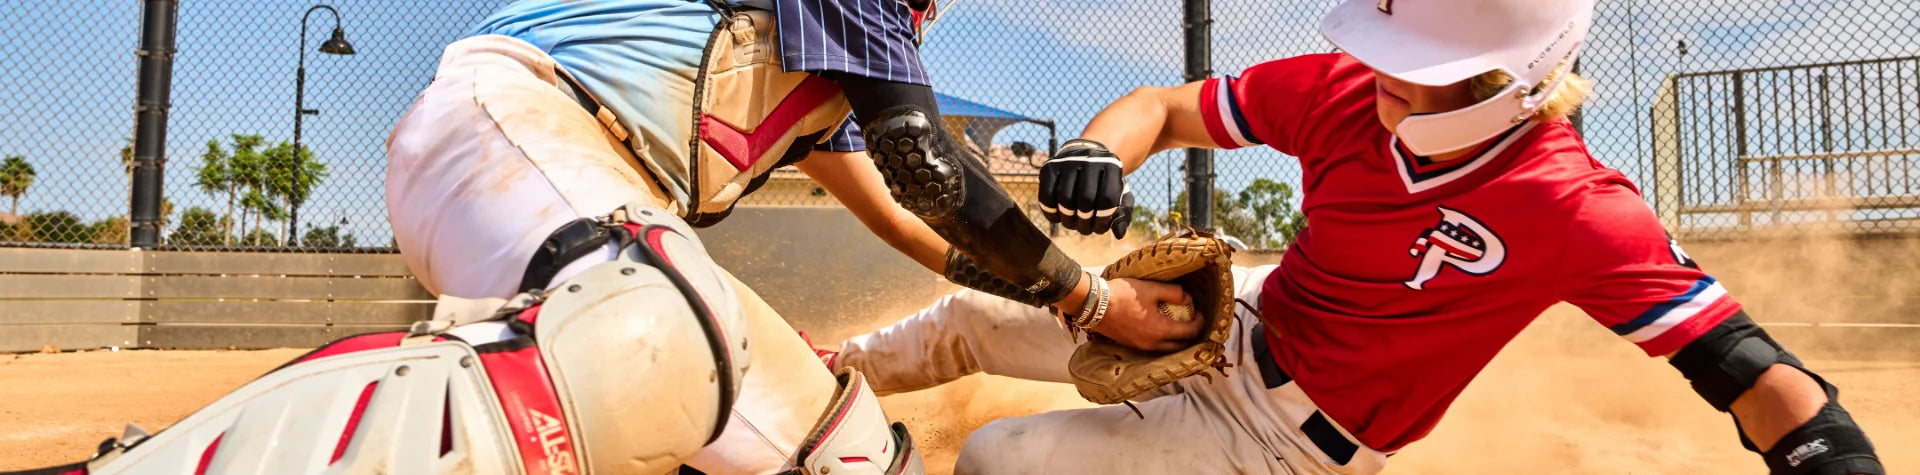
<point>851,178</point>
<point>1150,120</point>
<point>1781,400</point>
<point>1131,127</point>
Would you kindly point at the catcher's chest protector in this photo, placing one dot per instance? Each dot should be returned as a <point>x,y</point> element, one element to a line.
<point>627,368</point>
<point>751,117</point>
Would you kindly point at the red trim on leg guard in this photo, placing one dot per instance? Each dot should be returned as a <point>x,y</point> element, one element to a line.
<point>353,422</point>
<point>206,457</point>
<point>533,410</point>
<point>356,343</point>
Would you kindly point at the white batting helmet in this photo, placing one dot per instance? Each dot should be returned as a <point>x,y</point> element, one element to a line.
<point>1441,42</point>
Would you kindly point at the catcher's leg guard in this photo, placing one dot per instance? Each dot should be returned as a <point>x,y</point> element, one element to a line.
<point>628,367</point>
<point>855,438</point>
<point>362,404</point>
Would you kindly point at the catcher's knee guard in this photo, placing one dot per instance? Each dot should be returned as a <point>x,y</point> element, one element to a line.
<point>628,367</point>
<point>854,438</point>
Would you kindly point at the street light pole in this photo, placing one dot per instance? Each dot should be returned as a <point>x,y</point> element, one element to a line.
<point>336,45</point>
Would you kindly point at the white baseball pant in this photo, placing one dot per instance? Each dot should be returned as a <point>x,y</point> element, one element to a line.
<point>492,157</point>
<point>1234,424</point>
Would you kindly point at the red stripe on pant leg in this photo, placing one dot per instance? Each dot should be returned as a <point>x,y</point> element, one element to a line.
<point>353,422</point>
<point>206,458</point>
<point>533,410</point>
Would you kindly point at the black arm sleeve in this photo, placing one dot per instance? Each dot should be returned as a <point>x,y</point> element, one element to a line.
<point>954,193</point>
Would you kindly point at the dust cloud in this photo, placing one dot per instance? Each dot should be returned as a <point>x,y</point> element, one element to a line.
<point>1567,396</point>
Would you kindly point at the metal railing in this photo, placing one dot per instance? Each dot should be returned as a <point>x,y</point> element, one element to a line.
<point>1830,145</point>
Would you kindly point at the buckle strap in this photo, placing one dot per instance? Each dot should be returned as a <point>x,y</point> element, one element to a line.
<point>569,243</point>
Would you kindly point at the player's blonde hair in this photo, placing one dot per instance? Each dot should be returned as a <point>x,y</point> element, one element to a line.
<point>1564,102</point>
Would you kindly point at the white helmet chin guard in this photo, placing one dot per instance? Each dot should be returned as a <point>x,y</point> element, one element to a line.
<point>1442,42</point>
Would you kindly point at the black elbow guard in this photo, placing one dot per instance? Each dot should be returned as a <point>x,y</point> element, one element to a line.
<point>1727,361</point>
<point>958,198</point>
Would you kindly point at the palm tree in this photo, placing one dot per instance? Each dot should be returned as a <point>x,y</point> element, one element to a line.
<point>247,176</point>
<point>215,176</point>
<point>16,175</point>
<point>285,185</point>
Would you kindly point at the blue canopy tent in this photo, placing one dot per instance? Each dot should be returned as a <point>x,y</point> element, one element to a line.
<point>980,122</point>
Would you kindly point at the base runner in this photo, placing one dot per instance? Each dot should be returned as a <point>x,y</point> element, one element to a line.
<point>1450,202</point>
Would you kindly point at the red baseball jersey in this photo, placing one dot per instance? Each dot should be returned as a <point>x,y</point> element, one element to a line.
<point>1412,274</point>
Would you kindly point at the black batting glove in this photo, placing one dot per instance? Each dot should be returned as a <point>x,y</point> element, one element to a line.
<point>1083,188</point>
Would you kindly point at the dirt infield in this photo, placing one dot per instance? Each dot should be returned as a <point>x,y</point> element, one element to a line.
<point>1566,397</point>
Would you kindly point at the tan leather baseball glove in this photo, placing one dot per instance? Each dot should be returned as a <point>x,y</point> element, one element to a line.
<point>1107,373</point>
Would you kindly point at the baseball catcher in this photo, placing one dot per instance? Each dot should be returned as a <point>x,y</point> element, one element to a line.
<point>1450,202</point>
<point>526,185</point>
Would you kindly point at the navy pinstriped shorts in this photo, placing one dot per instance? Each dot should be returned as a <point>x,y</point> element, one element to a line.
<point>871,38</point>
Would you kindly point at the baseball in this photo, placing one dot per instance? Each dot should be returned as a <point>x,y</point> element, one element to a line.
<point>1178,312</point>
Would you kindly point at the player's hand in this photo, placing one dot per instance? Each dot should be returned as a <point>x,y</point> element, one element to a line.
<point>1083,188</point>
<point>1134,319</point>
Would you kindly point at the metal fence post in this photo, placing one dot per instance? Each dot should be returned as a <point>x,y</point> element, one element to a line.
<point>150,129</point>
<point>1198,25</point>
<point>1740,153</point>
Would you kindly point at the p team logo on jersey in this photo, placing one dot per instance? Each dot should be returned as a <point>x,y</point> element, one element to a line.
<point>1460,241</point>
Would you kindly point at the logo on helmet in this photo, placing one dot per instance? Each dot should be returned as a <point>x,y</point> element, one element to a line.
<point>1458,240</point>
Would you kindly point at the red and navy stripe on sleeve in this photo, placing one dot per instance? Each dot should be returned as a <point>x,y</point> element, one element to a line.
<point>1220,106</point>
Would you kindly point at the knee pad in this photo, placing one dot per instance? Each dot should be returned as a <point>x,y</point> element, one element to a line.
<point>663,316</point>
<point>854,438</point>
<point>919,165</point>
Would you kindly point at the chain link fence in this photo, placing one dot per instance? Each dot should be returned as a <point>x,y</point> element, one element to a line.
<point>1734,117</point>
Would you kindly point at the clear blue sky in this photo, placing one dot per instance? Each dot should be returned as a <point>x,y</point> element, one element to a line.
<point>67,91</point>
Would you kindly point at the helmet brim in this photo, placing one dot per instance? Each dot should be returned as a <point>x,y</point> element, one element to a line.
<point>1364,32</point>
